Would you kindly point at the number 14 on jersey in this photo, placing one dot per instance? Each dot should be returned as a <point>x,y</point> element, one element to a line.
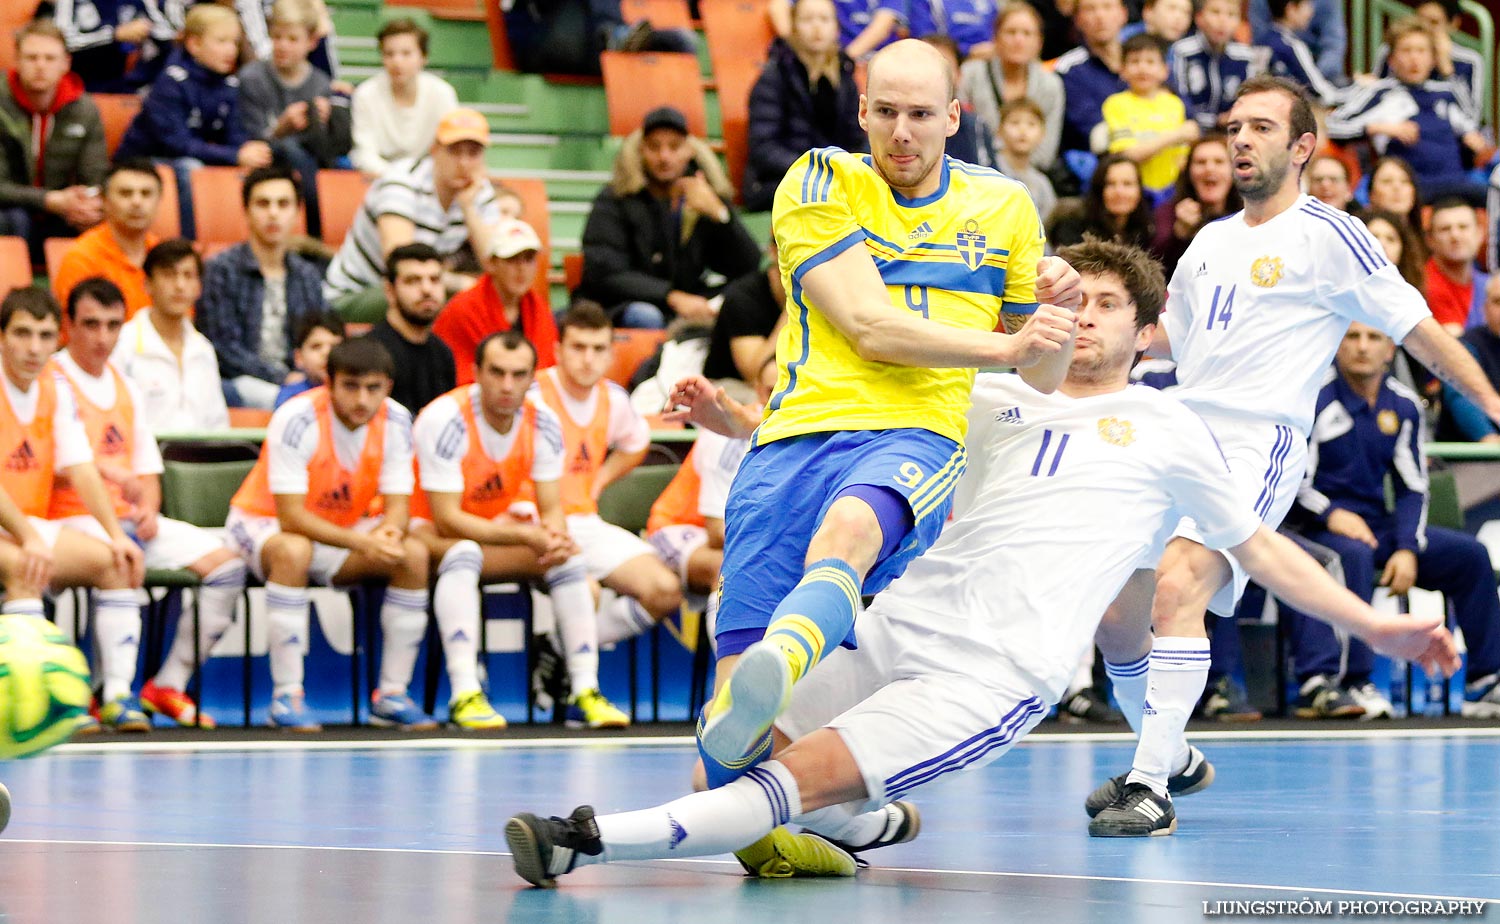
<point>1221,307</point>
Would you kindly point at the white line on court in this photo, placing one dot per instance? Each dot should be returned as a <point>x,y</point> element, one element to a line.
<point>990,874</point>
<point>1363,732</point>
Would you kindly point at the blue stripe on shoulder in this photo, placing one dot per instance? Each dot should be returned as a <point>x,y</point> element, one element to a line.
<point>1358,255</point>
<point>1377,256</point>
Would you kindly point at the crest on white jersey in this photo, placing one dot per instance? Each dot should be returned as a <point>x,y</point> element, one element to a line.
<point>1116,431</point>
<point>1267,271</point>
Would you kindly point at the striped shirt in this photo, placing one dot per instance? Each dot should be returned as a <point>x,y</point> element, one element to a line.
<point>406,189</point>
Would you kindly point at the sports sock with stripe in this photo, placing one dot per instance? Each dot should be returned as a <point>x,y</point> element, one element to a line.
<point>1175,681</point>
<point>816,616</point>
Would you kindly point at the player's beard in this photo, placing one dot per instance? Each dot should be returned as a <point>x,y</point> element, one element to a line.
<point>415,318</point>
<point>1102,367</point>
<point>1265,183</point>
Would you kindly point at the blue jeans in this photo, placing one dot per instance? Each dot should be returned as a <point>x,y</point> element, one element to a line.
<point>641,315</point>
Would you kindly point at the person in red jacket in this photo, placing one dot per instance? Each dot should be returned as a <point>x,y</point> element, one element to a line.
<point>504,298</point>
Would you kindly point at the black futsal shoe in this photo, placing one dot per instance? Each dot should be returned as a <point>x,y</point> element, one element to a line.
<point>545,848</point>
<point>1196,777</point>
<point>1138,812</point>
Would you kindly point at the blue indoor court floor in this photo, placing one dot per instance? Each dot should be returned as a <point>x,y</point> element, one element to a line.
<point>410,831</point>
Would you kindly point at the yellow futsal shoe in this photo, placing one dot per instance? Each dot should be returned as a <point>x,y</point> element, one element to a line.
<point>759,690</point>
<point>474,712</point>
<point>783,855</point>
<point>590,709</point>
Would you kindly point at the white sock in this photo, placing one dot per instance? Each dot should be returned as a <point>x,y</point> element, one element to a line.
<point>403,621</point>
<point>286,634</point>
<point>573,607</point>
<point>1176,678</point>
<point>704,823</point>
<point>846,823</point>
<point>27,606</point>
<point>1129,681</point>
<point>455,600</point>
<point>623,618</point>
<point>117,633</point>
<point>217,597</point>
<point>1083,675</point>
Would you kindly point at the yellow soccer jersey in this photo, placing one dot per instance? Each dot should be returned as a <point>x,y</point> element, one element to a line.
<point>955,257</point>
<point>1132,119</point>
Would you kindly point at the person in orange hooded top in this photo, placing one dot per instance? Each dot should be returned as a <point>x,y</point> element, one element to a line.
<point>301,516</point>
<point>126,456</point>
<point>40,438</point>
<point>482,450</point>
<point>604,438</point>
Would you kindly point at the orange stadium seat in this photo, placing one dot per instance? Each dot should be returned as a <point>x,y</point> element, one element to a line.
<point>468,10</point>
<point>168,223</point>
<point>573,271</point>
<point>533,195</point>
<point>662,14</point>
<point>116,110</point>
<point>501,58</point>
<point>340,194</point>
<point>15,264</point>
<point>53,249</point>
<point>632,347</point>
<point>13,15</point>
<point>635,84</point>
<point>736,30</point>
<point>217,212</point>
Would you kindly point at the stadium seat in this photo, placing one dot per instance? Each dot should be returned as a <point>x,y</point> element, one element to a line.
<point>340,194</point>
<point>217,212</point>
<point>116,110</point>
<point>635,84</point>
<point>53,249</point>
<point>248,418</point>
<point>501,58</point>
<point>15,264</point>
<point>13,15</point>
<point>467,10</point>
<point>168,223</point>
<point>662,14</point>
<point>573,271</point>
<point>533,195</point>
<point>632,347</point>
<point>627,502</point>
<point>737,32</point>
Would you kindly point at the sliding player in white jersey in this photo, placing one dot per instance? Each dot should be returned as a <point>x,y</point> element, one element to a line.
<point>1064,494</point>
<point>1255,312</point>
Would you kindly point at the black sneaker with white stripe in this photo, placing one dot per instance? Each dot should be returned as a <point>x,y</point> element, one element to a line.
<point>902,823</point>
<point>1195,777</point>
<point>1138,812</point>
<point>545,848</point>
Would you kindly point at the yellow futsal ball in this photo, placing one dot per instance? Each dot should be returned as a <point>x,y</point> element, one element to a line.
<point>44,686</point>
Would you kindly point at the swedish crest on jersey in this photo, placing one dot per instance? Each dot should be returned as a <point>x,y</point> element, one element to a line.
<point>971,244</point>
<point>1267,271</point>
<point>1116,432</point>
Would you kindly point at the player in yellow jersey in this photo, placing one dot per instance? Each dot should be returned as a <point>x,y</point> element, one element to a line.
<point>899,267</point>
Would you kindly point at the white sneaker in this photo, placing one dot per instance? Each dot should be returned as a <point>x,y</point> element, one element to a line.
<point>1376,704</point>
<point>1482,698</point>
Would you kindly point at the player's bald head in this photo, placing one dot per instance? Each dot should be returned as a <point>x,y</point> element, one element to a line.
<point>913,60</point>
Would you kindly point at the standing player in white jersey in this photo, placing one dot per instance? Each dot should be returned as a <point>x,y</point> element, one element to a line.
<point>1255,312</point>
<point>948,674</point>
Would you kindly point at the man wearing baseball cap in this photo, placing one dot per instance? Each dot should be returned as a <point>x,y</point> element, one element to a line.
<point>443,199</point>
<point>505,297</point>
<point>661,227</point>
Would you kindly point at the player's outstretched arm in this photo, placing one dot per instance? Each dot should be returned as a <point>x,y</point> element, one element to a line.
<point>703,404</point>
<point>849,292</point>
<point>1276,563</point>
<point>1450,361</point>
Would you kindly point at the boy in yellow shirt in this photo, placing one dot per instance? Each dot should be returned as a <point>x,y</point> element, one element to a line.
<point>1148,122</point>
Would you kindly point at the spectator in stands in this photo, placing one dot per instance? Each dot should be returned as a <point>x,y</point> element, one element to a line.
<point>970,143</point>
<point>1393,188</point>
<point>1326,34</point>
<point>1401,245</point>
<point>865,26</point>
<point>1168,20</point>
<point>1328,182</point>
<point>1147,122</point>
<point>805,98</point>
<point>414,296</point>
<point>443,199</point>
<point>1211,65</point>
<point>1456,64</point>
<point>1015,72</point>
<point>256,292</point>
<point>508,203</point>
<point>1022,128</point>
<point>1116,208</point>
<point>603,440</point>
<point>969,23</point>
<point>1493,210</point>
<point>118,46</point>
<point>660,226</point>
<point>1205,192</point>
<point>744,334</point>
<point>172,365</point>
<point>504,298</point>
<point>292,106</point>
<point>1461,418</point>
<point>1412,116</point>
<point>396,112</point>
<point>1091,74</point>
<point>1369,429</point>
<point>317,334</point>
<point>52,152</point>
<point>1289,55</point>
<point>1455,288</point>
<point>256,19</point>
<point>116,247</point>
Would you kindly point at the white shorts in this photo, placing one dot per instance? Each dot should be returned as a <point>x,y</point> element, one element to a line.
<point>247,536</point>
<point>176,544</point>
<point>676,545</point>
<point>1266,464</point>
<point>911,706</point>
<point>605,546</point>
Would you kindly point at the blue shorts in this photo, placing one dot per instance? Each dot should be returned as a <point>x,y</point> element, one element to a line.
<point>783,489</point>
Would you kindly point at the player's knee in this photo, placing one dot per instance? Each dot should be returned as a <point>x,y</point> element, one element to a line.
<point>287,554</point>
<point>662,594</point>
<point>850,531</point>
<point>414,559</point>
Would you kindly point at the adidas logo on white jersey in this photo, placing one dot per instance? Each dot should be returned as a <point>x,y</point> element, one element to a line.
<point>920,233</point>
<point>1011,415</point>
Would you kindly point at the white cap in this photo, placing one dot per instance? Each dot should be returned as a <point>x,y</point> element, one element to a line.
<point>511,237</point>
